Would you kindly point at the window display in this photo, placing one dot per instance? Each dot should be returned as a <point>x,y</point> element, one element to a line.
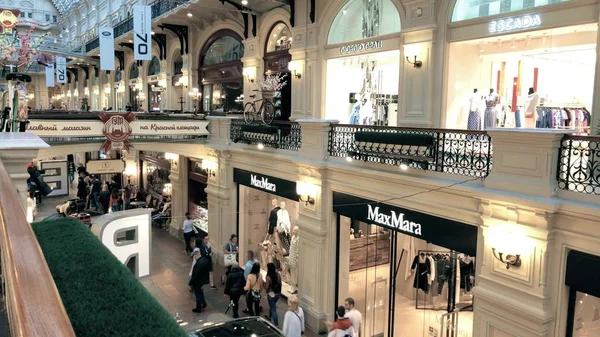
<point>524,73</point>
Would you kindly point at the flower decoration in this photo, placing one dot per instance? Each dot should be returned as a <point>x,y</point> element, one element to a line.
<point>272,82</point>
<point>45,58</point>
<point>19,49</point>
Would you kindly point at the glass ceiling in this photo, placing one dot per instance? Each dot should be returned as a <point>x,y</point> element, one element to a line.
<point>64,6</point>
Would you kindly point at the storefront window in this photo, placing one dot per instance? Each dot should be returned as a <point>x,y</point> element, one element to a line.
<point>280,38</point>
<point>515,80</point>
<point>224,49</point>
<point>154,66</point>
<point>134,71</point>
<point>360,19</point>
<point>223,97</point>
<point>118,75</point>
<point>586,319</point>
<point>471,9</point>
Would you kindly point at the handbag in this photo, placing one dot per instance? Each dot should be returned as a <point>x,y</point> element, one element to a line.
<point>300,319</point>
<point>228,259</point>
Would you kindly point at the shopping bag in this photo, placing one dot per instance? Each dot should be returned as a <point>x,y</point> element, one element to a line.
<point>229,259</point>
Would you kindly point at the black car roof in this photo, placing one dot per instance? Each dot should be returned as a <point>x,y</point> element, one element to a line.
<point>242,327</point>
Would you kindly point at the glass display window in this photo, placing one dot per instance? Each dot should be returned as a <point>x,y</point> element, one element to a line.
<point>154,66</point>
<point>469,9</point>
<point>224,49</point>
<point>586,316</point>
<point>280,38</point>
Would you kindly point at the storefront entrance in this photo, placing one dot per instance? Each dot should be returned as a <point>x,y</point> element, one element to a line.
<point>268,212</point>
<point>583,272</point>
<point>410,274</point>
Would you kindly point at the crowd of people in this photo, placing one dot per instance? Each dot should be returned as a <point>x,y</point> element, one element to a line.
<point>248,283</point>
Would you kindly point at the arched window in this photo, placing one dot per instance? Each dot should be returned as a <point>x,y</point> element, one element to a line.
<point>154,66</point>
<point>224,49</point>
<point>470,9</point>
<point>280,38</point>
<point>118,75</point>
<point>177,63</point>
<point>361,19</point>
<point>134,72</point>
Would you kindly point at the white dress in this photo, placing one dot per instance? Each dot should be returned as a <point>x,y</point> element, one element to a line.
<point>283,219</point>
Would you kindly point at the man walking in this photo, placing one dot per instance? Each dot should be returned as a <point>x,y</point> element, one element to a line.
<point>188,232</point>
<point>199,279</point>
<point>95,194</point>
<point>354,315</point>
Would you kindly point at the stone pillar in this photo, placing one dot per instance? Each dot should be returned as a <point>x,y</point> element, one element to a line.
<point>16,150</point>
<point>187,73</point>
<point>531,169</point>
<point>179,206</point>
<point>306,90</point>
<point>253,68</point>
<point>219,129</point>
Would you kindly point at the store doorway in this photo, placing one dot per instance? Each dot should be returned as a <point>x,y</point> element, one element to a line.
<point>402,285</point>
<point>492,81</point>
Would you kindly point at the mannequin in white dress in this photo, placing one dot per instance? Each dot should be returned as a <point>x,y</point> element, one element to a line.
<point>293,260</point>
<point>283,218</point>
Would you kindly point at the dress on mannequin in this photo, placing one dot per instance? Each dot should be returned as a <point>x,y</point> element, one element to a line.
<point>474,121</point>
<point>273,217</point>
<point>293,260</point>
<point>366,113</point>
<point>490,105</point>
<point>283,225</point>
<point>422,269</point>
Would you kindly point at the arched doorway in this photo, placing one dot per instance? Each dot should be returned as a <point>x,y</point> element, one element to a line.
<point>220,73</point>
<point>363,64</point>
<point>119,86</point>
<point>277,59</point>
<point>154,90</point>
<point>177,71</point>
<point>134,86</point>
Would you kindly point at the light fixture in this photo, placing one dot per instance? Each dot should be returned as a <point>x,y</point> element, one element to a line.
<point>168,189</point>
<point>244,2</point>
<point>306,192</point>
<point>249,73</point>
<point>130,171</point>
<point>107,90</point>
<point>349,159</point>
<point>210,167</point>
<point>405,164</point>
<point>416,63</point>
<point>130,41</point>
<point>152,33</point>
<point>189,14</point>
<point>260,146</point>
<point>171,157</point>
<point>507,242</point>
<point>295,68</point>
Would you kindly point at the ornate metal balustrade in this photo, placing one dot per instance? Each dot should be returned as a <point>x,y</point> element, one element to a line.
<point>93,44</point>
<point>579,164</point>
<point>461,152</point>
<point>279,135</point>
<point>123,27</point>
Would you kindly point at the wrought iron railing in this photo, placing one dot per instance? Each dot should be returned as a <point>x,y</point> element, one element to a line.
<point>461,152</point>
<point>123,27</point>
<point>92,44</point>
<point>579,164</point>
<point>281,135</point>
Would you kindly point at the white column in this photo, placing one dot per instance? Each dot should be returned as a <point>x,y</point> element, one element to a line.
<point>178,204</point>
<point>253,67</point>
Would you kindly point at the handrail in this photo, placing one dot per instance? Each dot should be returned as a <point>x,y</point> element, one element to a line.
<point>34,306</point>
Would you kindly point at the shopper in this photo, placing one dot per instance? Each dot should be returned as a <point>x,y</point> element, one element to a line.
<point>342,323</point>
<point>199,279</point>
<point>250,261</point>
<point>95,194</point>
<point>293,321</point>
<point>273,290</point>
<point>195,255</point>
<point>188,232</point>
<point>254,284</point>
<point>82,189</point>
<point>104,198</point>
<point>161,217</point>
<point>231,248</point>
<point>209,253</point>
<point>354,315</point>
<point>234,287</point>
<point>114,200</point>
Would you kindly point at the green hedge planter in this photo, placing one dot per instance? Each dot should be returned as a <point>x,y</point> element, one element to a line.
<point>394,138</point>
<point>101,296</point>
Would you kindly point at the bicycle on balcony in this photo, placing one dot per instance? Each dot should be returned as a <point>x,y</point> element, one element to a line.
<point>265,112</point>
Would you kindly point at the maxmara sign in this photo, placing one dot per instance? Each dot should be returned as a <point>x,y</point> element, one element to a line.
<point>281,187</point>
<point>515,23</point>
<point>95,128</point>
<point>262,183</point>
<point>393,220</point>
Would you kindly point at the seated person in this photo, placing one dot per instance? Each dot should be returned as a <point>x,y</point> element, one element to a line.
<point>342,327</point>
<point>161,218</point>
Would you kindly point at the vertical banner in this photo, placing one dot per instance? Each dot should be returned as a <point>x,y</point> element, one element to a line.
<point>142,29</point>
<point>50,75</point>
<point>107,49</point>
<point>61,69</point>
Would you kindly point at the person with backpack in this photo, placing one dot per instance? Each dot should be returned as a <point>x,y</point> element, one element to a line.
<point>254,284</point>
<point>293,321</point>
<point>273,290</point>
<point>234,287</point>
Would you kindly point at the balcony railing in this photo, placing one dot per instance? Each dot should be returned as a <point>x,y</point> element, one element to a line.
<point>93,44</point>
<point>33,304</point>
<point>460,152</point>
<point>579,164</point>
<point>279,135</point>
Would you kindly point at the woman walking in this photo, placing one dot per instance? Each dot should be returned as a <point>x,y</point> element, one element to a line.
<point>234,287</point>
<point>231,250</point>
<point>209,253</point>
<point>105,198</point>
<point>273,290</point>
<point>254,284</point>
<point>293,321</point>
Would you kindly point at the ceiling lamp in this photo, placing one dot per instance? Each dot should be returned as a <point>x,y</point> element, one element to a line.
<point>189,14</point>
<point>244,2</point>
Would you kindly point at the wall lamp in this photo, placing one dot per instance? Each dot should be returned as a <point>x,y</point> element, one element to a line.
<point>416,63</point>
<point>171,157</point>
<point>294,67</point>
<point>507,243</point>
<point>249,73</point>
<point>210,167</point>
<point>306,192</point>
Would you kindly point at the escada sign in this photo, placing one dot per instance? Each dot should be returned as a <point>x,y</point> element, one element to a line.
<point>393,220</point>
<point>262,183</point>
<point>517,23</point>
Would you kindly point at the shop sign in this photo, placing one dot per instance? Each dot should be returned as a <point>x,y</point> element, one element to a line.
<point>393,220</point>
<point>262,183</point>
<point>277,186</point>
<point>105,166</point>
<point>360,47</point>
<point>117,129</point>
<point>94,128</point>
<point>153,79</point>
<point>518,23</point>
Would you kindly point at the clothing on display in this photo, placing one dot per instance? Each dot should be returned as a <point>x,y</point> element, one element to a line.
<point>474,121</point>
<point>467,270</point>
<point>422,268</point>
<point>273,219</point>
<point>563,118</point>
<point>531,103</point>
<point>490,114</point>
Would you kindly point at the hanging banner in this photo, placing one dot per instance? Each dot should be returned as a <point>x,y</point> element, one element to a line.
<point>61,69</point>
<point>142,30</point>
<point>107,49</point>
<point>50,75</point>
<point>117,129</point>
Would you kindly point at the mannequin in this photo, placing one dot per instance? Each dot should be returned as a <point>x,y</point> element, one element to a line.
<point>273,217</point>
<point>490,104</point>
<point>283,226</point>
<point>293,260</point>
<point>530,111</point>
<point>355,115</point>
<point>474,121</point>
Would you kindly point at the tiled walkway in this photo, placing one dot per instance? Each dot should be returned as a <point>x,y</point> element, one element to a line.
<point>168,283</point>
